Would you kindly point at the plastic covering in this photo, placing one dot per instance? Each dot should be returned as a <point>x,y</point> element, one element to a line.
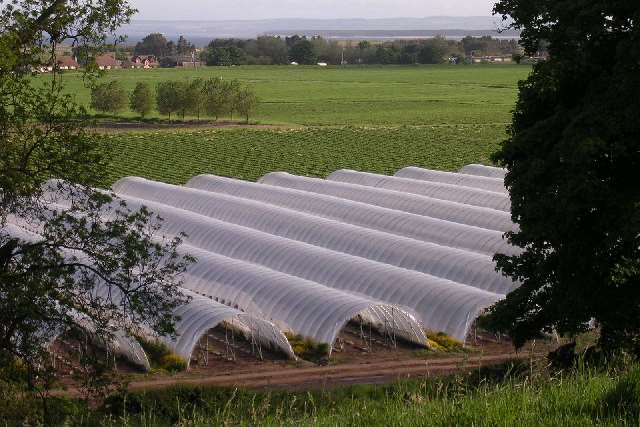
<point>197,317</point>
<point>317,230</point>
<point>442,305</point>
<point>393,212</point>
<point>455,193</point>
<point>481,182</point>
<point>482,170</point>
<point>456,265</point>
<point>120,343</point>
<point>294,304</point>
<point>202,314</point>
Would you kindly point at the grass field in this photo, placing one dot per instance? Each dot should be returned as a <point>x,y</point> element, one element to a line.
<point>386,95</point>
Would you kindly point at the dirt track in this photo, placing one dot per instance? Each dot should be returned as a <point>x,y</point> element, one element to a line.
<point>313,378</point>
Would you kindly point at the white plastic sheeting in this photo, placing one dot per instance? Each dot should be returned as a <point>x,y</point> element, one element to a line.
<point>393,212</point>
<point>202,314</point>
<point>196,318</point>
<point>294,304</point>
<point>317,230</point>
<point>441,304</point>
<point>438,190</point>
<point>482,170</point>
<point>120,343</point>
<point>457,265</point>
<point>481,182</point>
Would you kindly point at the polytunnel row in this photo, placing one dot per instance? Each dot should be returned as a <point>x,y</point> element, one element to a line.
<point>195,319</point>
<point>307,255</point>
<point>423,295</point>
<point>271,225</point>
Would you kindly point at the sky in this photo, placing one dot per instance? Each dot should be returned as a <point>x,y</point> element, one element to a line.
<point>211,10</point>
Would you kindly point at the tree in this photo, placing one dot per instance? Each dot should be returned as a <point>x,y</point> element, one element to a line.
<point>109,97</point>
<point>194,97</point>
<point>184,47</point>
<point>573,159</point>
<point>170,97</point>
<point>218,56</point>
<point>49,281</point>
<point>215,97</point>
<point>303,52</point>
<point>433,52</point>
<point>153,44</point>
<point>141,99</point>
<point>246,102</point>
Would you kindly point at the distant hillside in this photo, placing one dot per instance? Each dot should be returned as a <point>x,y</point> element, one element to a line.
<point>200,32</point>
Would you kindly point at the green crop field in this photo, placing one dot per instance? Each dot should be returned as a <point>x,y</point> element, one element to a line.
<point>369,118</point>
<point>385,95</point>
<point>175,157</point>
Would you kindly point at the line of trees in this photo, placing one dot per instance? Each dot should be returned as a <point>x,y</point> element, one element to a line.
<point>275,50</point>
<point>212,97</point>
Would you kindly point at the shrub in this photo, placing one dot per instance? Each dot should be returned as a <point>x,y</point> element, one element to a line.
<point>161,357</point>
<point>308,349</point>
<point>109,97</point>
<point>439,341</point>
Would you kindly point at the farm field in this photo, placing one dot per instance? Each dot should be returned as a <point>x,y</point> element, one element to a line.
<point>176,156</point>
<point>384,95</point>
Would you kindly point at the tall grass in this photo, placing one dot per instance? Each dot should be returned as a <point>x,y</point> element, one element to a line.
<point>504,396</point>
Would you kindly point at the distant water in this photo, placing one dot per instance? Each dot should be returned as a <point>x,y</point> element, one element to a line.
<point>201,32</point>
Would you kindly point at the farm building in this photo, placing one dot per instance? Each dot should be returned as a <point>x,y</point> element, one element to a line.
<point>291,255</point>
<point>67,63</point>
<point>107,62</point>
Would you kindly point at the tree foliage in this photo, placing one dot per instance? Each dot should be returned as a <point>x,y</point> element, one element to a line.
<point>51,281</point>
<point>573,156</point>
<point>141,99</point>
<point>109,97</point>
<point>169,97</point>
<point>303,52</point>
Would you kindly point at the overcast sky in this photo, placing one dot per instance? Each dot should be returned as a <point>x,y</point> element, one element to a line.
<point>321,9</point>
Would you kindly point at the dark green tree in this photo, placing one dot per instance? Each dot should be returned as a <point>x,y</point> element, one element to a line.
<point>141,99</point>
<point>154,44</point>
<point>170,97</point>
<point>573,156</point>
<point>109,97</point>
<point>303,52</point>
<point>49,280</point>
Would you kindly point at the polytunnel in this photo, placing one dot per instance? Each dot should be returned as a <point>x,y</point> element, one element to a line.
<point>120,344</point>
<point>438,190</point>
<point>294,304</point>
<point>202,314</point>
<point>482,170</point>
<point>318,230</point>
<point>443,305</point>
<point>195,319</point>
<point>382,210</point>
<point>473,181</point>
<point>458,265</point>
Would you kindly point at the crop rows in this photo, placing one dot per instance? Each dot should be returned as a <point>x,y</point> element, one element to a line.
<point>250,153</point>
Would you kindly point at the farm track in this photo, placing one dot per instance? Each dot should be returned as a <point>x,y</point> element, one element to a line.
<point>327,377</point>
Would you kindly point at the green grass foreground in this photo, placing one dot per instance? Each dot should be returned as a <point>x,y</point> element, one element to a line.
<point>609,397</point>
<point>353,95</point>
<point>176,156</point>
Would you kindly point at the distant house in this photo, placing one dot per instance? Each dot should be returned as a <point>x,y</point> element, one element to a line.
<point>144,61</point>
<point>67,63</point>
<point>107,62</point>
<point>322,64</point>
<point>188,61</point>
